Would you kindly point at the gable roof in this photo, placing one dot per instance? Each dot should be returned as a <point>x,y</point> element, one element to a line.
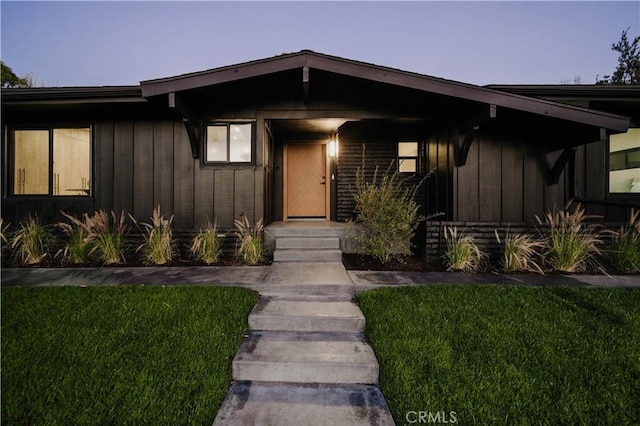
<point>384,75</point>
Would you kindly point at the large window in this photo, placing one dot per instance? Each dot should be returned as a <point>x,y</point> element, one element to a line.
<point>52,162</point>
<point>407,157</point>
<point>624,162</point>
<point>229,143</point>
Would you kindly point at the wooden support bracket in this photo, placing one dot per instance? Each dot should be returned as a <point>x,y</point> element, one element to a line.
<point>461,152</point>
<point>193,131</point>
<point>567,156</point>
<point>191,124</point>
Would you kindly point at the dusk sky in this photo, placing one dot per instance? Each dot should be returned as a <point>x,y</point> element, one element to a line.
<point>122,43</point>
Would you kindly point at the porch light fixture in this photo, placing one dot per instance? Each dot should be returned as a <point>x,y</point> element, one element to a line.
<point>333,149</point>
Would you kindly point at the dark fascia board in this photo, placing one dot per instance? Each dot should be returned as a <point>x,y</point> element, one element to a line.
<point>389,76</point>
<point>71,95</point>
<point>586,91</point>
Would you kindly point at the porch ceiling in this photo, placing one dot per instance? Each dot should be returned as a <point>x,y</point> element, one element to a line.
<point>311,125</point>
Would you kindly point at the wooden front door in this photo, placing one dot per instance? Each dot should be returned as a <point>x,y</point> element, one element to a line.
<point>305,180</point>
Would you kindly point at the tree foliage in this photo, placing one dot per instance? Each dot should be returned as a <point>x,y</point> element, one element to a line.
<point>628,69</point>
<point>10,79</point>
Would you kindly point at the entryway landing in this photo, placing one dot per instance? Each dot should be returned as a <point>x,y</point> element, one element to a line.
<point>307,241</point>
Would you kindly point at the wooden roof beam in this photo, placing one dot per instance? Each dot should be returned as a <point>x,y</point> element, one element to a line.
<point>305,84</point>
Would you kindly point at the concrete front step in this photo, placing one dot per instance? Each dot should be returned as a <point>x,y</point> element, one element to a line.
<point>309,314</point>
<point>298,255</point>
<point>255,403</point>
<point>305,357</point>
<point>317,243</point>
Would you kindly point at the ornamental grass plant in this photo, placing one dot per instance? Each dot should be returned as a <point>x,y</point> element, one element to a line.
<point>77,247</point>
<point>462,253</point>
<point>4,235</point>
<point>108,234</point>
<point>571,244</point>
<point>206,246</point>
<point>250,244</point>
<point>519,253</point>
<point>32,241</point>
<point>623,256</point>
<point>158,247</point>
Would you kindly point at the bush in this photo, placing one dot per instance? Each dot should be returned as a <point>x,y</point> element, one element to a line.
<point>207,245</point>
<point>32,241</point>
<point>519,252</point>
<point>462,255</point>
<point>250,245</point>
<point>78,246</point>
<point>387,215</point>
<point>570,243</point>
<point>624,254</point>
<point>108,233</point>
<point>158,246</point>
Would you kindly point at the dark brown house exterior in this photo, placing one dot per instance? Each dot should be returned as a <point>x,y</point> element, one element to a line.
<point>260,139</point>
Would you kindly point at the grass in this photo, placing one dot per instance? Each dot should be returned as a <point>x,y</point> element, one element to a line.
<point>119,355</point>
<point>508,355</point>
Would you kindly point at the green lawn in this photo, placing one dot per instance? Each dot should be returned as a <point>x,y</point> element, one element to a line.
<point>508,355</point>
<point>119,355</point>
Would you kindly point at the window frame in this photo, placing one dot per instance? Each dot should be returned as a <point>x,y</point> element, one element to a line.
<point>621,196</point>
<point>228,124</point>
<point>417,157</point>
<point>11,165</point>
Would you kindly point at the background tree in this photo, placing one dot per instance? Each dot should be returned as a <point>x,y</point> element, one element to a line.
<point>10,79</point>
<point>628,70</point>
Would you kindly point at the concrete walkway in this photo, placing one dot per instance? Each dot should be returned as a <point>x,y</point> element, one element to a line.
<point>263,278</point>
<point>305,360</point>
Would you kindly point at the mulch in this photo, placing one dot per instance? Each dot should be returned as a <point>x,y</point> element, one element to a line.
<point>357,262</point>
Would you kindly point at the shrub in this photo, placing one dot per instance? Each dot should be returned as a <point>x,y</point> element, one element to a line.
<point>78,246</point>
<point>250,246</point>
<point>387,215</point>
<point>31,241</point>
<point>570,243</point>
<point>108,233</point>
<point>207,245</point>
<point>462,253</point>
<point>519,252</point>
<point>158,246</point>
<point>624,254</point>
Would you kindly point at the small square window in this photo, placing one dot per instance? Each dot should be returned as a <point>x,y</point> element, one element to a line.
<point>408,157</point>
<point>229,143</point>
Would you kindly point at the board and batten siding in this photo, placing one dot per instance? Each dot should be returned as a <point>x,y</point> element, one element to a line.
<point>142,164</point>
<point>505,180</point>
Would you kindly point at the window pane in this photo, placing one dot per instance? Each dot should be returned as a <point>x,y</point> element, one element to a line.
<point>240,147</point>
<point>633,159</point>
<point>624,162</point>
<point>407,165</point>
<point>216,143</point>
<point>31,162</point>
<point>407,149</point>
<point>617,161</point>
<point>71,161</point>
